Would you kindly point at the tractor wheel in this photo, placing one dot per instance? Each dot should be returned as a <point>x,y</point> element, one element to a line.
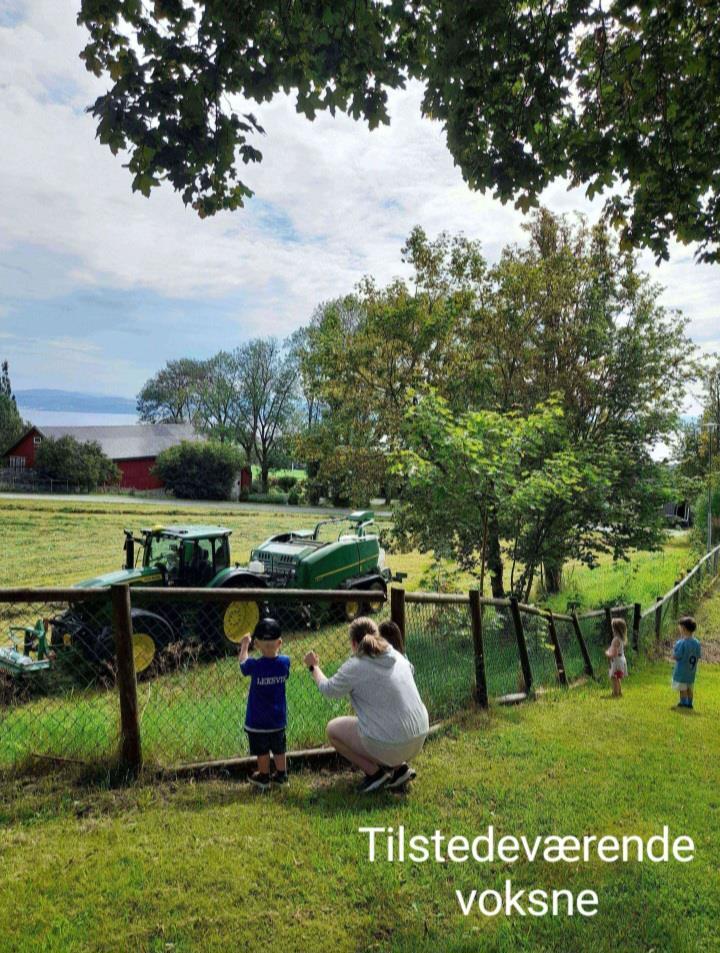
<point>372,606</point>
<point>150,638</point>
<point>238,619</point>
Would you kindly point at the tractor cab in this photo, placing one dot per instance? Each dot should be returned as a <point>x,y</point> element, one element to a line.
<point>188,556</point>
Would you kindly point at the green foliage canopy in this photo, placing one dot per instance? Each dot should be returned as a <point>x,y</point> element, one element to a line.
<point>11,423</point>
<point>620,98</point>
<point>199,471</point>
<point>80,464</point>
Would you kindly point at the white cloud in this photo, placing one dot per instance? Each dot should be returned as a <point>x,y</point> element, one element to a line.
<point>349,195</point>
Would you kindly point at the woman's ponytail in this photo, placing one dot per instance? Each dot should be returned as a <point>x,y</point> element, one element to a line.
<point>365,635</point>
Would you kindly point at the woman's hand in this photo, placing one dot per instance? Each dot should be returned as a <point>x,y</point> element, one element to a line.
<point>311,658</point>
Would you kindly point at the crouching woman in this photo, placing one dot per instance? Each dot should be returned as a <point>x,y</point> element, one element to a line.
<point>391,721</point>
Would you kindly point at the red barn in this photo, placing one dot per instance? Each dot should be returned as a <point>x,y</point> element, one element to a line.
<point>133,447</point>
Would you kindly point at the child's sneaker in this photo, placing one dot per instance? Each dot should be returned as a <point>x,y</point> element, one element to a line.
<point>401,775</point>
<point>280,777</point>
<point>261,781</point>
<point>373,782</point>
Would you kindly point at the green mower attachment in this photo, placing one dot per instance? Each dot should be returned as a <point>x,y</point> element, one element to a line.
<point>34,638</point>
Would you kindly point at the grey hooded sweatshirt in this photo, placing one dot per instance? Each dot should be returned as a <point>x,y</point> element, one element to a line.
<point>384,695</point>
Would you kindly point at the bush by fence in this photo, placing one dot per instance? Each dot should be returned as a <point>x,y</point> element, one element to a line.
<point>187,701</point>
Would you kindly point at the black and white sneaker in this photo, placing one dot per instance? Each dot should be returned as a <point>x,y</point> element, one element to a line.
<point>280,777</point>
<point>401,775</point>
<point>261,781</point>
<point>373,782</point>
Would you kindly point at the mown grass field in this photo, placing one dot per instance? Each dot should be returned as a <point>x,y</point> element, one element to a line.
<point>59,543</point>
<point>214,866</point>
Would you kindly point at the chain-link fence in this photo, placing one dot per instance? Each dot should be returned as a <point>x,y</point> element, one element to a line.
<point>69,691</point>
<point>57,696</point>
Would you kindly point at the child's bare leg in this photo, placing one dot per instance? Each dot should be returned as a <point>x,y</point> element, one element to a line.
<point>280,762</point>
<point>263,761</point>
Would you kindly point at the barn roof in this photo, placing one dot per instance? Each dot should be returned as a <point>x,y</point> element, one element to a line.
<point>128,441</point>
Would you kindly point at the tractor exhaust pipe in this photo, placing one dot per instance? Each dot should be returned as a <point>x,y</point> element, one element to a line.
<point>129,551</point>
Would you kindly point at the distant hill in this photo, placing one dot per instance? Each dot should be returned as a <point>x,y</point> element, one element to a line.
<point>68,401</point>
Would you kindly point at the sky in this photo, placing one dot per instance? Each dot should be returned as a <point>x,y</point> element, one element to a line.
<point>100,286</point>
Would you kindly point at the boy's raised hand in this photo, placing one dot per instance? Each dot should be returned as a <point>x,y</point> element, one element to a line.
<point>245,643</point>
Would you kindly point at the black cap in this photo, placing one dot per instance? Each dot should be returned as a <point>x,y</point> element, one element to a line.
<point>267,630</point>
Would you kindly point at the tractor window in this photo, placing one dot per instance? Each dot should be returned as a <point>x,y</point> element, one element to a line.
<point>200,569</point>
<point>222,553</point>
<point>163,550</point>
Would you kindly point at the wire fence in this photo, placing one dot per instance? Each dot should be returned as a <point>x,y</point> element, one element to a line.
<point>101,676</point>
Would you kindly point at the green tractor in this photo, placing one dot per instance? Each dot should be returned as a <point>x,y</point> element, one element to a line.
<point>199,557</point>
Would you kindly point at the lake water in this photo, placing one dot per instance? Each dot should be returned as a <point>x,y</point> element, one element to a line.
<point>64,418</point>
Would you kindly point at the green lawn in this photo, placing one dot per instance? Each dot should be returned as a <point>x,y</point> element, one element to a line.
<point>643,578</point>
<point>212,866</point>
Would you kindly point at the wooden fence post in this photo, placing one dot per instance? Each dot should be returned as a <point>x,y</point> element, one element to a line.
<point>521,644</point>
<point>658,617</point>
<point>476,613</point>
<point>637,618</point>
<point>608,622</point>
<point>397,609</point>
<point>676,600</point>
<point>587,661</point>
<point>559,661</point>
<point>130,748</point>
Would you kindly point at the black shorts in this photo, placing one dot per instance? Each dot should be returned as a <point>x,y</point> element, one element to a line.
<point>264,742</point>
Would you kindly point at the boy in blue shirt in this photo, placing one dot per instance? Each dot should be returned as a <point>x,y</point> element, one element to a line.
<point>686,654</point>
<point>266,714</point>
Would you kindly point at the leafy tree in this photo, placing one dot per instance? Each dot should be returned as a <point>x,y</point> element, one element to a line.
<point>171,395</point>
<point>11,423</point>
<point>267,385</point>
<point>199,471</point>
<point>361,353</point>
<point>570,314</point>
<point>457,468</point>
<point>620,98</point>
<point>219,395</point>
<point>81,464</point>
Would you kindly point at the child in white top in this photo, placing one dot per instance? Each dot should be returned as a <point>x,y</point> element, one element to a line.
<point>616,654</point>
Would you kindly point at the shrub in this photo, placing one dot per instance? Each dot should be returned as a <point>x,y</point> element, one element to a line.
<point>199,471</point>
<point>294,497</point>
<point>82,465</point>
<point>285,483</point>
<point>273,497</point>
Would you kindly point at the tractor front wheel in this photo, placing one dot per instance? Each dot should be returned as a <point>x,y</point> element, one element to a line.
<point>150,637</point>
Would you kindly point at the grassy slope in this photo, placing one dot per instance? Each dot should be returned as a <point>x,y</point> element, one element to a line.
<point>212,866</point>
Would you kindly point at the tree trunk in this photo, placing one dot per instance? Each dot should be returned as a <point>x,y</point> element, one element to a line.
<point>552,576</point>
<point>264,476</point>
<point>494,557</point>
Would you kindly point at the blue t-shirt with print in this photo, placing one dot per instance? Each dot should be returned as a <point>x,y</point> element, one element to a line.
<point>266,706</point>
<point>687,655</point>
